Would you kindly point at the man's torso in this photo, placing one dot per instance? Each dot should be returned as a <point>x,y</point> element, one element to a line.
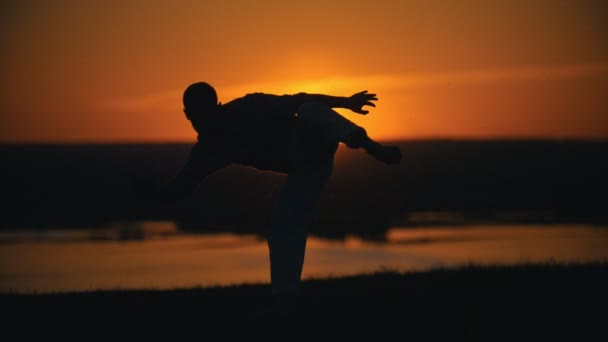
<point>254,130</point>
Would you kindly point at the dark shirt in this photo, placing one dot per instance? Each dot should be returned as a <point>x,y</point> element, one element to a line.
<point>254,130</point>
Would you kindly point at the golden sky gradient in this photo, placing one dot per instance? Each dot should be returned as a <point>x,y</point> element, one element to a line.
<point>114,71</point>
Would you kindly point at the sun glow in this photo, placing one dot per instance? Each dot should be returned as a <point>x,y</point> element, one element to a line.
<point>440,69</point>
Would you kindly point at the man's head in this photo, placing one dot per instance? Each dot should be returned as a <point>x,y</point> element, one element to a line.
<point>200,99</point>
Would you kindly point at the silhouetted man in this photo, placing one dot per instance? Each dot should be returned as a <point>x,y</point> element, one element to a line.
<point>297,135</point>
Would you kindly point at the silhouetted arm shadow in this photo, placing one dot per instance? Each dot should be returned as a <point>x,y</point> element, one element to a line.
<point>201,163</point>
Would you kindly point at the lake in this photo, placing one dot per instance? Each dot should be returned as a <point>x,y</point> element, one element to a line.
<point>157,255</point>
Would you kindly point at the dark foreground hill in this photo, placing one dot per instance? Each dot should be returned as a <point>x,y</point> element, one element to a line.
<point>546,302</point>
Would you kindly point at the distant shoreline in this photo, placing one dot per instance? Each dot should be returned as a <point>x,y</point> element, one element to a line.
<point>91,185</point>
<point>384,281</point>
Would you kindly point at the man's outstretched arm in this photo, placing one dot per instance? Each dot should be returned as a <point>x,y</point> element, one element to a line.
<point>355,102</point>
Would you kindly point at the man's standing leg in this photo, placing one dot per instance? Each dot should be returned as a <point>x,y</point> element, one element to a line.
<point>312,150</point>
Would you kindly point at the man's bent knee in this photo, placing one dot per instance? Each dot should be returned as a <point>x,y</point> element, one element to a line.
<point>314,140</point>
<point>331,123</point>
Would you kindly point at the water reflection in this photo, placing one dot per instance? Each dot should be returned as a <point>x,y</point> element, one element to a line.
<point>157,255</point>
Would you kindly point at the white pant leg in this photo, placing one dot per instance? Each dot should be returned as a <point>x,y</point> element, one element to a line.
<point>291,219</point>
<point>310,169</point>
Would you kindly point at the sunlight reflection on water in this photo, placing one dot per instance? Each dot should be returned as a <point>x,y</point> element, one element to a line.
<point>156,255</point>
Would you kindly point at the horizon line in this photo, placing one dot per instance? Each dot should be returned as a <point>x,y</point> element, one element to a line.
<point>403,139</point>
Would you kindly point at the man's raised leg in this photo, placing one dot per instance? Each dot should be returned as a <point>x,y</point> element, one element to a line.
<point>347,132</point>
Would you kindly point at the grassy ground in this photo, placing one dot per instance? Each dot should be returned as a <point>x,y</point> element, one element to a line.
<point>546,302</point>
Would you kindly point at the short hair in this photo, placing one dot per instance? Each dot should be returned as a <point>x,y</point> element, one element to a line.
<point>199,95</point>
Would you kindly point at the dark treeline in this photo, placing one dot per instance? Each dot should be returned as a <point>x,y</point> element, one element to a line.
<point>91,185</point>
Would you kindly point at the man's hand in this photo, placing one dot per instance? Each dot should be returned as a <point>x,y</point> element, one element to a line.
<point>358,100</point>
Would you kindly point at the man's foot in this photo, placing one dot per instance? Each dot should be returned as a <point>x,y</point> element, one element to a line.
<point>387,154</point>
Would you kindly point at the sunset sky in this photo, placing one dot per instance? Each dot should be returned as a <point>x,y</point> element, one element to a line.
<point>114,70</point>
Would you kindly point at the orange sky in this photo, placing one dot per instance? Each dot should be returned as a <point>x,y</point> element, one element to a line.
<point>114,71</point>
